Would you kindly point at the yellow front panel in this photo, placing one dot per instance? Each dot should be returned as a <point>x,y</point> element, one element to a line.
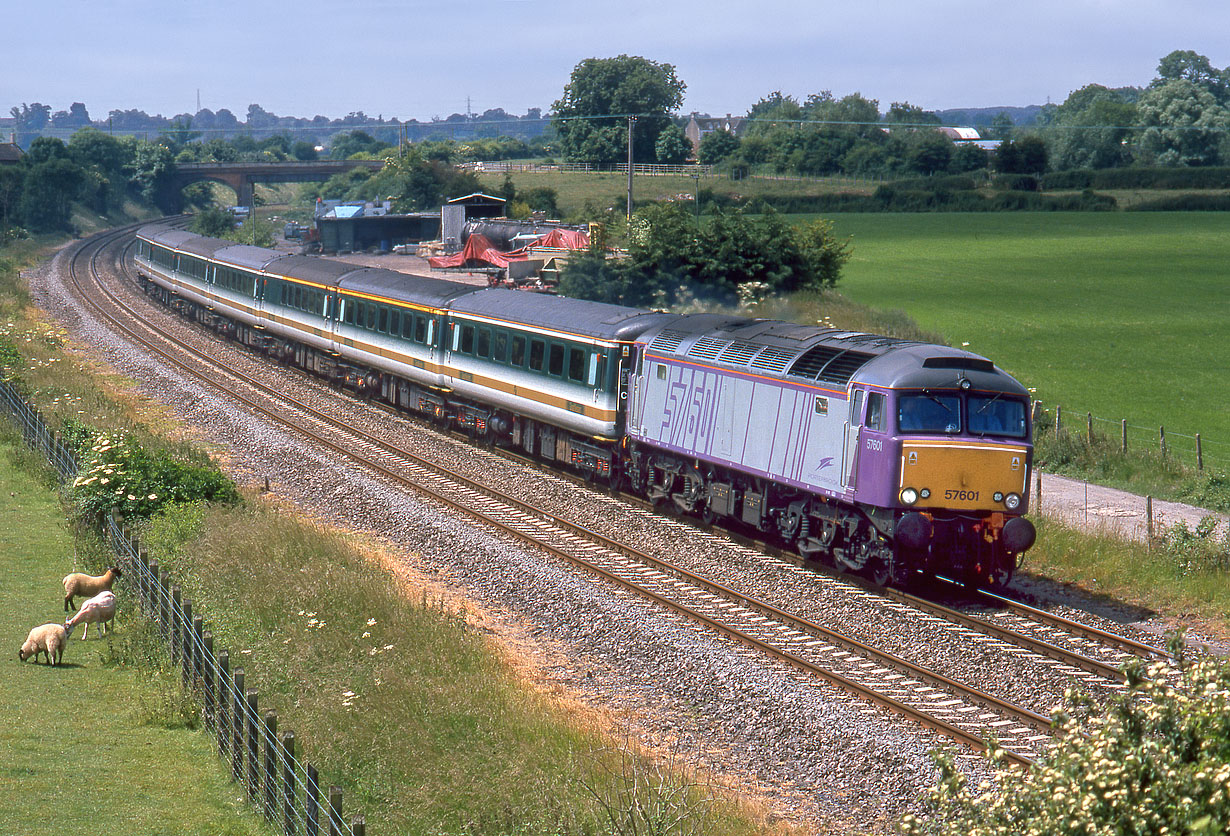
<point>963,475</point>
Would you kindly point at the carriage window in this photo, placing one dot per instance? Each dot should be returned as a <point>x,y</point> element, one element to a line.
<point>576,364</point>
<point>875,411</point>
<point>538,353</point>
<point>484,342</point>
<point>501,347</point>
<point>517,358</point>
<point>467,339</point>
<point>555,365</point>
<point>407,325</point>
<point>384,320</point>
<point>347,311</point>
<point>394,322</point>
<point>593,369</point>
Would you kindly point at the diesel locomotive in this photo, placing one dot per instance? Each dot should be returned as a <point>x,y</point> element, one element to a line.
<point>890,457</point>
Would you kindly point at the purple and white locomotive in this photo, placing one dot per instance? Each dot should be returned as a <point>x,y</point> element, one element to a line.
<point>889,455</point>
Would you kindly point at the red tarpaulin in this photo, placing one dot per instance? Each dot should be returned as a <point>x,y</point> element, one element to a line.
<point>479,248</point>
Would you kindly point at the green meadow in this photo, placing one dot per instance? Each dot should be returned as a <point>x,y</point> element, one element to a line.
<point>1122,314</point>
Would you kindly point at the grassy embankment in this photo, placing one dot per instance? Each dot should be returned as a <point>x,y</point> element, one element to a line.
<point>412,710</point>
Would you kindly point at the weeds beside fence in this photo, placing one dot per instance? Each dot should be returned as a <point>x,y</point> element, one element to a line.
<point>278,782</point>
<point>1167,443</point>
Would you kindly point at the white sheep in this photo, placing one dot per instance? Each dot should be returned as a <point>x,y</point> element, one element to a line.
<point>49,639</point>
<point>97,610</point>
<point>87,585</point>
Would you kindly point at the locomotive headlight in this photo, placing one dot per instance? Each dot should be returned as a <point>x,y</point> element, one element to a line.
<point>909,496</point>
<point>998,496</point>
<point>1012,501</point>
<point>925,493</point>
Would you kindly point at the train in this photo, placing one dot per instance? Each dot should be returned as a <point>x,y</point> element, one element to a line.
<point>891,458</point>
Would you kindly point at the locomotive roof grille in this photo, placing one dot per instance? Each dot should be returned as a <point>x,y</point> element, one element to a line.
<point>739,353</point>
<point>973,364</point>
<point>707,348</point>
<point>774,359</point>
<point>669,340</point>
<point>829,364</point>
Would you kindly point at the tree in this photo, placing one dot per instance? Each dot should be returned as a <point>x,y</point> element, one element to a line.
<point>673,146</point>
<point>716,147</point>
<point>345,145</point>
<point>1155,760</point>
<point>45,148</point>
<point>928,152</point>
<point>1184,124</point>
<point>213,222</point>
<point>1025,156</point>
<point>152,168</point>
<point>11,178</point>
<point>1186,65</point>
<point>303,151</point>
<point>591,116</point>
<point>1002,126</point>
<point>47,194</point>
<point>1091,129</point>
<point>908,115</point>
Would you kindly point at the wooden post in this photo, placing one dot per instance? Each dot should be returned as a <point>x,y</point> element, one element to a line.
<point>1161,432</point>
<point>311,801</point>
<point>253,751</point>
<point>1089,427</point>
<point>143,579</point>
<point>223,726</point>
<point>1199,454</point>
<point>1123,431</point>
<point>155,584</point>
<point>185,641</point>
<point>358,826</point>
<point>1058,422</point>
<point>1149,519</point>
<point>271,767</point>
<point>335,810</point>
<point>288,783</point>
<point>197,649</point>
<point>1037,412</point>
<point>1038,493</point>
<point>208,664</point>
<point>237,726</point>
<point>173,622</point>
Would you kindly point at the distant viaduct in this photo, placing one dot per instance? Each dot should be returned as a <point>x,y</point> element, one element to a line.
<point>243,177</point>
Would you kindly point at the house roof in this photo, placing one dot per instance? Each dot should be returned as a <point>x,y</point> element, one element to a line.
<point>10,152</point>
<point>475,198</point>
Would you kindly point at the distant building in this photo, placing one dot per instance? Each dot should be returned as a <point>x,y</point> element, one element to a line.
<point>10,153</point>
<point>699,127</point>
<point>961,134</point>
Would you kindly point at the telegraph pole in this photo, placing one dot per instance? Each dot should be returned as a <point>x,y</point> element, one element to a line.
<point>631,122</point>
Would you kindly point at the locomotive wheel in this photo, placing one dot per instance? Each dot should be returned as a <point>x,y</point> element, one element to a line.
<point>708,516</point>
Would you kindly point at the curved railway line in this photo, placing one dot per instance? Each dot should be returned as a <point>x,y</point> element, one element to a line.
<point>927,697</point>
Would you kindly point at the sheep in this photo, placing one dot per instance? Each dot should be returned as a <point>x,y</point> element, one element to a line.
<point>49,639</point>
<point>97,610</point>
<point>86,585</point>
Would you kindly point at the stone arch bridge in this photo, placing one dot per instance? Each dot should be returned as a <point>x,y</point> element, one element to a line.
<point>243,177</point>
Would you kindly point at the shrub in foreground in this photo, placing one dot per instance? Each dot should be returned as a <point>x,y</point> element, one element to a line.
<point>1156,760</point>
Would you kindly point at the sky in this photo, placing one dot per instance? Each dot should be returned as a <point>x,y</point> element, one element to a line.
<point>419,60</point>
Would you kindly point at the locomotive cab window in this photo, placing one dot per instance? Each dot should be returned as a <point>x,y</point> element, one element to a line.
<point>997,415</point>
<point>875,412</point>
<point>929,413</point>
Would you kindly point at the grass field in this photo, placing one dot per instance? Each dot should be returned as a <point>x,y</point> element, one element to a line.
<point>1125,315</point>
<point>89,746</point>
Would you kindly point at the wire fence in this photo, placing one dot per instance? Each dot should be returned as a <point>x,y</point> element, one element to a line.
<point>281,784</point>
<point>1188,449</point>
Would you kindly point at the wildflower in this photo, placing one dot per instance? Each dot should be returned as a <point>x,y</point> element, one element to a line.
<point>104,481</point>
<point>131,497</point>
<point>388,647</point>
<point>152,496</point>
<point>347,693</point>
<point>366,635</point>
<point>370,622</point>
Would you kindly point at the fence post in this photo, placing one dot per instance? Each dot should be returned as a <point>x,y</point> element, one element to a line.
<point>237,724</point>
<point>198,646</point>
<point>253,752</point>
<point>1038,493</point>
<point>1089,427</point>
<point>164,595</point>
<point>1149,520</point>
<point>311,801</point>
<point>1123,431</point>
<point>208,664</point>
<point>1161,432</point>
<point>1199,454</point>
<point>335,810</point>
<point>143,578</point>
<point>358,826</point>
<point>288,783</point>
<point>223,729</point>
<point>185,641</point>
<point>271,769</point>
<point>1058,412</point>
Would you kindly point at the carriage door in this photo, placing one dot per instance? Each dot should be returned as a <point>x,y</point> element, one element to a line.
<point>334,311</point>
<point>849,455</point>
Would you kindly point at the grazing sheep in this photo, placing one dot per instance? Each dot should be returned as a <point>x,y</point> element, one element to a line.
<point>97,610</point>
<point>87,585</point>
<point>49,639</point>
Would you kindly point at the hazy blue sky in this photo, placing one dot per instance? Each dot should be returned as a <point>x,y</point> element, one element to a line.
<point>415,59</point>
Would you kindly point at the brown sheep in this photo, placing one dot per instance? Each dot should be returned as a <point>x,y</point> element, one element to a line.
<point>87,586</point>
<point>49,640</point>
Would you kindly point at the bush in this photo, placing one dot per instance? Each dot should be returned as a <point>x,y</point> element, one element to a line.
<point>1155,760</point>
<point>1016,182</point>
<point>1185,203</point>
<point>123,476</point>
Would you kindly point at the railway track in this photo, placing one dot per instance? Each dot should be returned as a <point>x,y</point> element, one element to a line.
<point>926,697</point>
